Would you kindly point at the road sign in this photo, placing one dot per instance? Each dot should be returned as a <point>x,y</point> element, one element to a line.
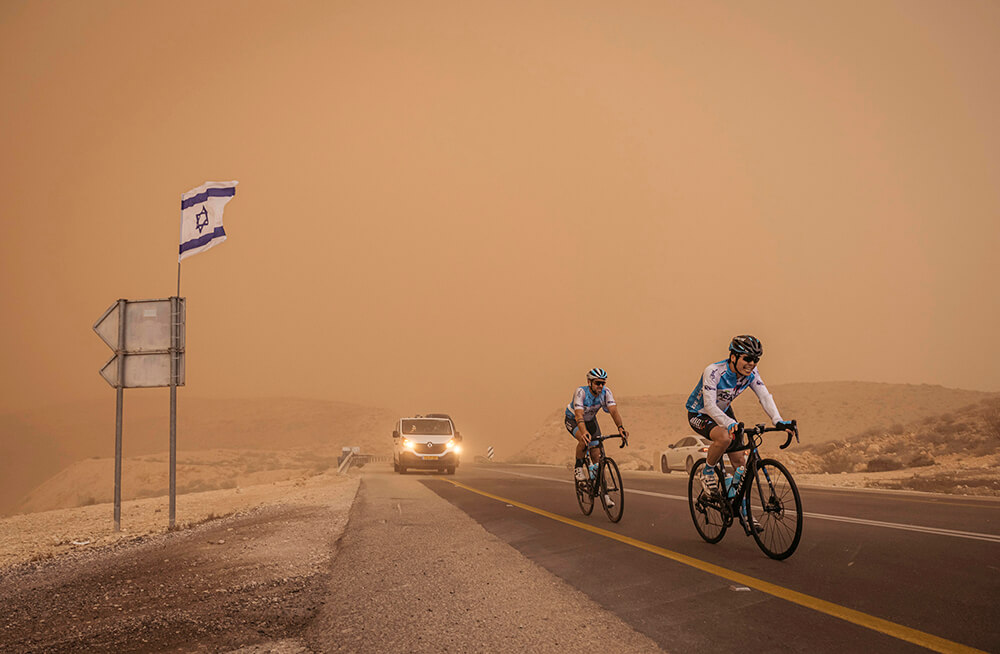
<point>148,339</point>
<point>143,370</point>
<point>149,327</point>
<point>489,452</point>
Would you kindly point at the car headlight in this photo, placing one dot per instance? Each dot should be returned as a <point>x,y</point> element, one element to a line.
<point>450,444</point>
<point>407,443</point>
<point>457,449</point>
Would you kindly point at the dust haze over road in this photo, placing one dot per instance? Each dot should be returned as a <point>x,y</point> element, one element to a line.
<point>463,208</point>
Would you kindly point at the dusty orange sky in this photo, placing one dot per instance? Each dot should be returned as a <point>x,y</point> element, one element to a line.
<point>452,206</point>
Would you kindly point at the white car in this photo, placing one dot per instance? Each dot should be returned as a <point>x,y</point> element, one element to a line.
<point>682,454</point>
<point>425,443</point>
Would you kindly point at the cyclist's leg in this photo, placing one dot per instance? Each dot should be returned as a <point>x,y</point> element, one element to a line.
<point>574,430</point>
<point>705,427</point>
<point>719,435</point>
<point>595,431</point>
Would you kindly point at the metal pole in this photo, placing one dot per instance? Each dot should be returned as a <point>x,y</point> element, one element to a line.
<point>118,414</point>
<point>174,346</point>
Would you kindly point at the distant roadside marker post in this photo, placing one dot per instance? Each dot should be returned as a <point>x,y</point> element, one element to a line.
<point>147,337</point>
<point>489,453</point>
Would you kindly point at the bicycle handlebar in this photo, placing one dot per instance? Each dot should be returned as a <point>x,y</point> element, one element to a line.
<point>761,428</point>
<point>604,438</point>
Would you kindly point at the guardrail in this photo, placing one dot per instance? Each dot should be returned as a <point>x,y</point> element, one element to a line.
<point>359,460</point>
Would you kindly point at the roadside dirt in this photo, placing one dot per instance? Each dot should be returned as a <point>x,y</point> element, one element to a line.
<point>254,577</point>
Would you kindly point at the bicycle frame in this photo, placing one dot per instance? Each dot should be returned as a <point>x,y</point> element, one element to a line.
<point>606,482</point>
<point>592,483</point>
<point>729,506</point>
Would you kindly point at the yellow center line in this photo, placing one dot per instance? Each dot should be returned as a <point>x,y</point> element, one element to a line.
<point>915,636</point>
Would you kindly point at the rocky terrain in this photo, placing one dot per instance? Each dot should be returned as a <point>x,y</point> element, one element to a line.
<point>954,452</point>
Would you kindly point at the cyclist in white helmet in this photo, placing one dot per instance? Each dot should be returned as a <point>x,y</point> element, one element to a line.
<point>581,416</point>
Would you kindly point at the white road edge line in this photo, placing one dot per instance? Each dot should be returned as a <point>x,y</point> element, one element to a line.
<point>821,516</point>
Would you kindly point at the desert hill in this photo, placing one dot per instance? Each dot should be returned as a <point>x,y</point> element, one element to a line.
<point>90,481</point>
<point>971,432</point>
<point>825,411</point>
<point>35,446</point>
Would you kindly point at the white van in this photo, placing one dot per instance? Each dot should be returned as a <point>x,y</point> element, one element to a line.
<point>425,443</point>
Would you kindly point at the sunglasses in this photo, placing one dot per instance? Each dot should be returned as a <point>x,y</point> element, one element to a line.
<point>600,383</point>
<point>750,359</point>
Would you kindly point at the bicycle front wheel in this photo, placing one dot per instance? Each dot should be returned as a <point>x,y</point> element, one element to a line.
<point>705,510</point>
<point>583,496</point>
<point>775,505</point>
<point>612,491</point>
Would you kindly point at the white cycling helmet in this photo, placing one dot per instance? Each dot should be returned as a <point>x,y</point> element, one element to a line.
<point>597,373</point>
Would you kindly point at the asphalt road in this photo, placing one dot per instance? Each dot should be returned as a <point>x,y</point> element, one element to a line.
<point>875,571</point>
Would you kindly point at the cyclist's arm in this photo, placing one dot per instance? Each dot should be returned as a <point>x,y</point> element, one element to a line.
<point>711,398</point>
<point>617,417</point>
<point>766,400</point>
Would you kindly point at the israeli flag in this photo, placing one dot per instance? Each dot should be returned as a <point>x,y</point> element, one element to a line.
<point>201,217</point>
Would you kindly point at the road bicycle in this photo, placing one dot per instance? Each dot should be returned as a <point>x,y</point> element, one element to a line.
<point>765,501</point>
<point>605,481</point>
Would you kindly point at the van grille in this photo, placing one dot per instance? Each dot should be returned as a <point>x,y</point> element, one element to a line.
<point>429,448</point>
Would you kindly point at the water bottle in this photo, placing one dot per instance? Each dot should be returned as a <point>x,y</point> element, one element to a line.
<point>593,470</point>
<point>733,484</point>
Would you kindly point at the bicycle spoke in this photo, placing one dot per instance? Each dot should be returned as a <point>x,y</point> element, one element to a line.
<point>775,507</point>
<point>611,490</point>
<point>705,514</point>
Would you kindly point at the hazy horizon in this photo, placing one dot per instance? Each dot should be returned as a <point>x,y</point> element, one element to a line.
<point>462,208</point>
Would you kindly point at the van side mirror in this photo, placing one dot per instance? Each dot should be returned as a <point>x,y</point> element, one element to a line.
<point>458,437</point>
<point>395,434</point>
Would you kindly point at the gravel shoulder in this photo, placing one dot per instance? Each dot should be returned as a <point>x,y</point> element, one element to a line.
<point>414,573</point>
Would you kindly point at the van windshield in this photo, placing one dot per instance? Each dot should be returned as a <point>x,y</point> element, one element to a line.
<point>426,427</point>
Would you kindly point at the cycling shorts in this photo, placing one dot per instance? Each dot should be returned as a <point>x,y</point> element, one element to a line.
<point>591,425</point>
<point>702,423</point>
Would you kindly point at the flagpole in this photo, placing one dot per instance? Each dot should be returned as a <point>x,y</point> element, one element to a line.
<point>174,372</point>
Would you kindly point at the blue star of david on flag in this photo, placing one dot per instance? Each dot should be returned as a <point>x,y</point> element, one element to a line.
<point>201,216</point>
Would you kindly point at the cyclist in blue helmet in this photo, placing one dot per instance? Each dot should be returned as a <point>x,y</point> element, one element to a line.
<point>709,411</point>
<point>581,416</point>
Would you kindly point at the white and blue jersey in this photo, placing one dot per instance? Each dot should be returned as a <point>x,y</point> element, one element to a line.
<point>719,386</point>
<point>585,400</point>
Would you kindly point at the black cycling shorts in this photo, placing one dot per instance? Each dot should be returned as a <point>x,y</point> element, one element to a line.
<point>702,423</point>
<point>591,425</point>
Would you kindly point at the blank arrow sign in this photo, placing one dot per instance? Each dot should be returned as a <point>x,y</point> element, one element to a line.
<point>107,326</point>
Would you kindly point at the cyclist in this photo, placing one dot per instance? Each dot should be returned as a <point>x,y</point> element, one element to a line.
<point>581,417</point>
<point>709,411</point>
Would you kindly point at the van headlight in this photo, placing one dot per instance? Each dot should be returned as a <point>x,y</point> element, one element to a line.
<point>407,443</point>
<point>453,446</point>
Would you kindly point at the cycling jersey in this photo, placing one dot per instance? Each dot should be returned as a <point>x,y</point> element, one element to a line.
<point>719,386</point>
<point>584,399</point>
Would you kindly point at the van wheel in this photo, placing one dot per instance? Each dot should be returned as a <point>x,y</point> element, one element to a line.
<point>395,467</point>
<point>402,469</point>
<point>664,468</point>
<point>451,470</point>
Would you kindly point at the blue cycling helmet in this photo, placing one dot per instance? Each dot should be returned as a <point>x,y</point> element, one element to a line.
<point>597,373</point>
<point>747,345</point>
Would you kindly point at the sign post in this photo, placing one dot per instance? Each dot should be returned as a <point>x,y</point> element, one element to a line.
<point>147,337</point>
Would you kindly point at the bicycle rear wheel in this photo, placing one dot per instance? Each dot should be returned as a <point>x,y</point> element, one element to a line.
<point>704,509</point>
<point>611,489</point>
<point>583,496</point>
<point>775,505</point>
